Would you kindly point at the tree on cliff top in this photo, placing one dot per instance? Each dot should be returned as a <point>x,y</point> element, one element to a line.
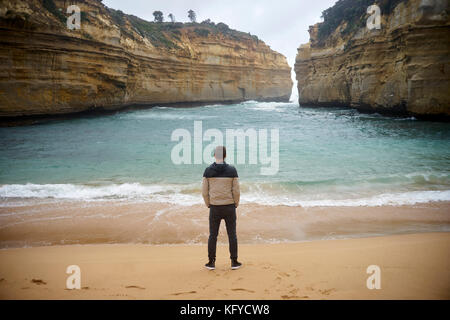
<point>158,16</point>
<point>192,16</point>
<point>172,18</point>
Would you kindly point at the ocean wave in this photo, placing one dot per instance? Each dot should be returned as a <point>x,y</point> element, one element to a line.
<point>130,191</point>
<point>166,116</point>
<point>190,194</point>
<point>385,199</point>
<point>267,106</point>
<point>418,178</point>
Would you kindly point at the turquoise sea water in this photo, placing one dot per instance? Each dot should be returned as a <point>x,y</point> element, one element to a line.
<point>327,157</point>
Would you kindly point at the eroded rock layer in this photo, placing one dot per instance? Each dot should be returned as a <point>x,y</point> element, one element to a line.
<point>402,68</point>
<point>118,60</point>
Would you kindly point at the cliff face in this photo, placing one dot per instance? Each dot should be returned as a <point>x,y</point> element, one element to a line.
<point>403,68</point>
<point>118,60</point>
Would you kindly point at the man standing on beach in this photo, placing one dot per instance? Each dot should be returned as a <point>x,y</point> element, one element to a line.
<point>220,190</point>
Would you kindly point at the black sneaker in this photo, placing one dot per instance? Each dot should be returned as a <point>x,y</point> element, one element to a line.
<point>235,264</point>
<point>210,265</point>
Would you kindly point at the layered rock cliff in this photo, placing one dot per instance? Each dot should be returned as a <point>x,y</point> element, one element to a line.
<point>117,60</point>
<point>402,68</point>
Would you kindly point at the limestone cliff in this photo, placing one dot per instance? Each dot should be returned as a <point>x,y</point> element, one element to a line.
<point>402,68</point>
<point>118,60</point>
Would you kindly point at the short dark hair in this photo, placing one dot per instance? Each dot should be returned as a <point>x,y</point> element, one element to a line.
<point>220,149</point>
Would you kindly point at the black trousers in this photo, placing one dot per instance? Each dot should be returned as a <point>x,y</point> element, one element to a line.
<point>216,214</point>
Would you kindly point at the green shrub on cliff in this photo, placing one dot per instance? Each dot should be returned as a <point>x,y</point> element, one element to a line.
<point>222,27</point>
<point>117,16</point>
<point>208,22</point>
<point>201,32</point>
<point>51,7</point>
<point>165,34</point>
<point>155,32</point>
<point>354,12</point>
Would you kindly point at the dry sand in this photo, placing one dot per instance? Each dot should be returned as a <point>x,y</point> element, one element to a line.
<point>413,266</point>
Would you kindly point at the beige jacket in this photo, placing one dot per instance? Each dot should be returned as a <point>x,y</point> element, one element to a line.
<point>220,185</point>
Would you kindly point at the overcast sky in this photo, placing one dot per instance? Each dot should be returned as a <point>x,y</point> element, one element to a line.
<point>282,24</point>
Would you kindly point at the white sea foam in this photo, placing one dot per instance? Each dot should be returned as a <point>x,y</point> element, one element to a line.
<point>385,199</point>
<point>167,116</point>
<point>190,195</point>
<point>126,191</point>
<point>267,106</point>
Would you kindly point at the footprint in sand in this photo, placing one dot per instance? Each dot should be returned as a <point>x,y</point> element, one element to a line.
<point>180,293</point>
<point>83,288</point>
<point>286,297</point>
<point>297,273</point>
<point>326,292</point>
<point>38,281</point>
<point>284,274</point>
<point>242,289</point>
<point>238,280</point>
<point>2,280</point>
<point>134,287</point>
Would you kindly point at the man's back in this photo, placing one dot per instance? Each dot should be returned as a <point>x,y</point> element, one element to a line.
<point>220,185</point>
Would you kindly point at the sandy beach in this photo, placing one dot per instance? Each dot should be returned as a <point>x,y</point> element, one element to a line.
<point>413,266</point>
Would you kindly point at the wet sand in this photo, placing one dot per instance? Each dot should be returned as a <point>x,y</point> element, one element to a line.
<point>413,266</point>
<point>109,222</point>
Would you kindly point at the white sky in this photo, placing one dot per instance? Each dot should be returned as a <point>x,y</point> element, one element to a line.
<point>281,24</point>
